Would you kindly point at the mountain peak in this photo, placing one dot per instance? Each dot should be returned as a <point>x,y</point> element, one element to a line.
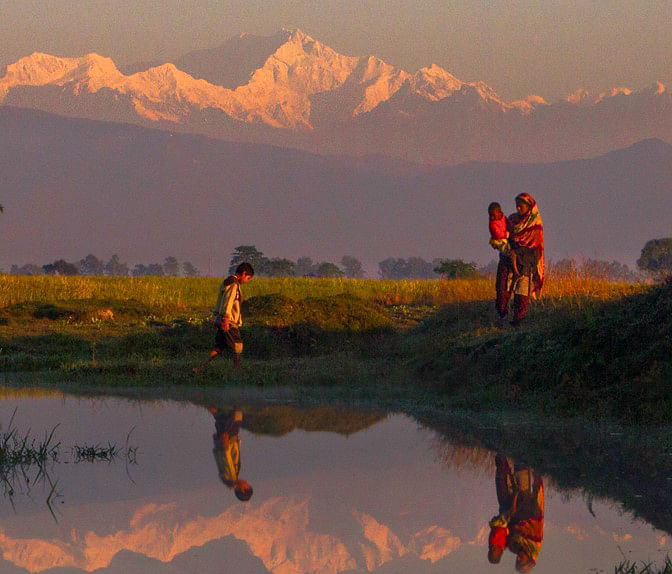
<point>39,69</point>
<point>302,65</point>
<point>528,104</point>
<point>434,83</point>
<point>586,98</point>
<point>612,94</point>
<point>165,70</point>
<point>296,35</point>
<point>578,96</point>
<point>91,71</point>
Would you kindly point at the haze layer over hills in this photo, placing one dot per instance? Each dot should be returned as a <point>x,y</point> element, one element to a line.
<point>71,187</point>
<point>292,91</point>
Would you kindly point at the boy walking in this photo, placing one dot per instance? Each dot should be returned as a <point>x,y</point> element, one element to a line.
<point>228,316</point>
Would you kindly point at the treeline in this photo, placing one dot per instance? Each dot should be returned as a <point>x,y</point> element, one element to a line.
<point>418,268</point>
<point>595,268</point>
<point>588,268</point>
<point>350,267</point>
<point>264,266</point>
<point>92,265</point>
<point>655,261</point>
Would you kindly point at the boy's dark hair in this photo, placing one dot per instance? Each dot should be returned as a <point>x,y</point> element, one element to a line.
<point>494,205</point>
<point>246,268</point>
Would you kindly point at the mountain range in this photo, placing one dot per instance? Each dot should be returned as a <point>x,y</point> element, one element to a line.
<point>290,90</point>
<point>72,187</point>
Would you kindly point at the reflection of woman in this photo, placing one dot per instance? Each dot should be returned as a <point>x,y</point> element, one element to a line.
<point>227,450</point>
<point>519,526</point>
<point>526,235</point>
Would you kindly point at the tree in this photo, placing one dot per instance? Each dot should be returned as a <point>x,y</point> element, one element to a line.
<point>609,270</point>
<point>27,269</point>
<point>140,270</point>
<point>155,270</point>
<point>352,267</point>
<point>566,267</point>
<point>304,267</point>
<point>411,268</point>
<point>326,270</point>
<point>278,267</point>
<point>392,268</point>
<point>249,254</point>
<point>456,269</point>
<point>115,268</point>
<point>656,257</point>
<point>91,265</point>
<point>188,269</point>
<point>151,270</point>
<point>171,267</point>
<point>418,268</point>
<point>61,267</point>
<point>489,270</point>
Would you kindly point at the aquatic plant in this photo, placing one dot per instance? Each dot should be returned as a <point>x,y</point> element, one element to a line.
<point>20,452</point>
<point>627,567</point>
<point>92,453</point>
<point>22,449</point>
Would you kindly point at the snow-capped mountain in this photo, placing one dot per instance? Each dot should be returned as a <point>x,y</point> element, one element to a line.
<point>276,94</point>
<point>291,90</point>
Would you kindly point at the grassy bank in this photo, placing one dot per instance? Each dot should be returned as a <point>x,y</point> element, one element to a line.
<point>588,347</point>
<point>602,357</point>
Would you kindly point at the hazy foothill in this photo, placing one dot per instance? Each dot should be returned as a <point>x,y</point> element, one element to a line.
<point>326,206</point>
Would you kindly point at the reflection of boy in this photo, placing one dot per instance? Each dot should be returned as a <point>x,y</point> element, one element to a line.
<point>519,526</point>
<point>227,451</point>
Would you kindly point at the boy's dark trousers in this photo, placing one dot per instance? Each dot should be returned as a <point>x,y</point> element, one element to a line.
<point>229,340</point>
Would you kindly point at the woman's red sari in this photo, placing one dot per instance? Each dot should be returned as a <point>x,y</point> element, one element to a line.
<point>528,231</point>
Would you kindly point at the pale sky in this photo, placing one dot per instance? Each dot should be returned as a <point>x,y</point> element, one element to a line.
<point>518,47</point>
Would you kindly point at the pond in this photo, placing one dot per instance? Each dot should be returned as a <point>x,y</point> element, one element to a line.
<point>216,484</point>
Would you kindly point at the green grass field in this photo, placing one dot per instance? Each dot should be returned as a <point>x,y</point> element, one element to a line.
<point>587,346</point>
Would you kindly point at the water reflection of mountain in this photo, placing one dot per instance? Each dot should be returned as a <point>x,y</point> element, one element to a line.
<point>277,532</point>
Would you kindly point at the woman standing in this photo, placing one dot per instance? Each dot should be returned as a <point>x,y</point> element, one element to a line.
<point>525,278</point>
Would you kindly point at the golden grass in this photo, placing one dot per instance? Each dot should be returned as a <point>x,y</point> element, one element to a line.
<point>200,292</point>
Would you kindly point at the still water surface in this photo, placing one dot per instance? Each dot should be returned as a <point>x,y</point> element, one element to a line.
<point>333,490</point>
